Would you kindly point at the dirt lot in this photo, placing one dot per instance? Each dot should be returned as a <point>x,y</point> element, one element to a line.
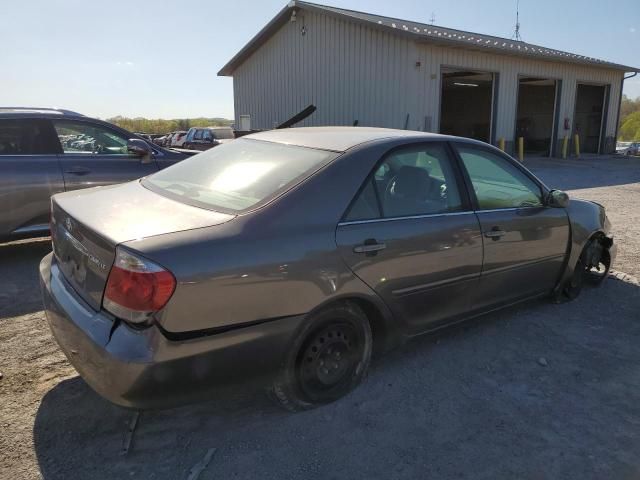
<point>537,391</point>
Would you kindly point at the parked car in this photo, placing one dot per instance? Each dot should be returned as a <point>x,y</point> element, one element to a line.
<point>178,138</point>
<point>632,149</point>
<point>622,146</point>
<point>46,151</point>
<point>159,139</point>
<point>162,139</point>
<point>203,138</point>
<point>289,256</point>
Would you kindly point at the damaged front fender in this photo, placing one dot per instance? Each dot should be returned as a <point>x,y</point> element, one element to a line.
<point>589,227</point>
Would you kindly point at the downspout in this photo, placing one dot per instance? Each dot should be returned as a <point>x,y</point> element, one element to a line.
<point>620,102</point>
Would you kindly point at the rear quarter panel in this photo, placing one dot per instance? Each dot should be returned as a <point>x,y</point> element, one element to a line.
<point>278,261</point>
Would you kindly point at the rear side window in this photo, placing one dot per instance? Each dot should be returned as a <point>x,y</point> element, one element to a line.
<point>238,175</point>
<point>411,181</point>
<point>498,183</point>
<point>25,137</point>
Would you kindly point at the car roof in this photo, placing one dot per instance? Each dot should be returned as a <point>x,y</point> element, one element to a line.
<point>20,112</point>
<point>338,139</point>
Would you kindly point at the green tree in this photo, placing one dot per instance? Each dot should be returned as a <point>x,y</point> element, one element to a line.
<point>630,128</point>
<point>160,125</point>
<point>629,119</point>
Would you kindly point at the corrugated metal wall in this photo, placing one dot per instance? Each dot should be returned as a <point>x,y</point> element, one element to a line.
<point>354,72</point>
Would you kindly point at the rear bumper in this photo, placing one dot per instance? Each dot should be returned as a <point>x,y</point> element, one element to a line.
<point>143,369</point>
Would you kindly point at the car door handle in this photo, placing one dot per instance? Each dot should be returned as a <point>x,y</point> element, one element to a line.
<point>369,247</point>
<point>79,170</point>
<point>495,233</point>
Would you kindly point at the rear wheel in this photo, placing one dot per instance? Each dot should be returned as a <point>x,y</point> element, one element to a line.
<point>330,358</point>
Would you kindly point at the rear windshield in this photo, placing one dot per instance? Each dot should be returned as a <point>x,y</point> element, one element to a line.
<point>239,175</point>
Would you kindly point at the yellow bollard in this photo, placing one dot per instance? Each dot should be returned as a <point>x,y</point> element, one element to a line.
<point>577,143</point>
<point>565,144</point>
<point>521,149</point>
<point>501,144</point>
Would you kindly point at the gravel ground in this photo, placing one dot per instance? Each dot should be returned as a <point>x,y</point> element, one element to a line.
<point>536,391</point>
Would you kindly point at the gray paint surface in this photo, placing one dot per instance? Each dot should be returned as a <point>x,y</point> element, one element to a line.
<point>262,273</point>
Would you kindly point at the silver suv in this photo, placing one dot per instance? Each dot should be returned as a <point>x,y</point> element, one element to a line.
<point>46,151</point>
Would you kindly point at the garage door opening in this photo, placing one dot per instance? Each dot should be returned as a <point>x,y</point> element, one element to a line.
<point>588,116</point>
<point>536,114</point>
<point>467,104</point>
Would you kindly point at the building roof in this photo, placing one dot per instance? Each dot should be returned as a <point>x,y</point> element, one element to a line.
<point>337,139</point>
<point>422,33</point>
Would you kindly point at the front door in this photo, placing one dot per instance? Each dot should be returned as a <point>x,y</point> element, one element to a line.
<point>29,175</point>
<point>94,155</point>
<point>412,237</point>
<point>525,242</point>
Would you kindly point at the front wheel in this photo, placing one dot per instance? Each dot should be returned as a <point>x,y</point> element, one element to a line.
<point>593,267</point>
<point>330,358</point>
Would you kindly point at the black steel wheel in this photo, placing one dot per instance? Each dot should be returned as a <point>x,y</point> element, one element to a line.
<point>599,269</point>
<point>592,268</point>
<point>329,358</point>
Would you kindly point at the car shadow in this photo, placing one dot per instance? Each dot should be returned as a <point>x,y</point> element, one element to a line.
<point>19,281</point>
<point>557,380</point>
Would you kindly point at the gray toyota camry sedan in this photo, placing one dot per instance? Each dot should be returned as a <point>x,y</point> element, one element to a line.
<point>290,256</point>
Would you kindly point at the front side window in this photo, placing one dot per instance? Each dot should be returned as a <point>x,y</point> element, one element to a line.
<point>198,135</point>
<point>88,139</point>
<point>238,175</point>
<point>498,183</point>
<point>412,181</point>
<point>23,137</point>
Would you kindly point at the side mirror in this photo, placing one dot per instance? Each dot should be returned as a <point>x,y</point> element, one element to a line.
<point>558,199</point>
<point>140,148</point>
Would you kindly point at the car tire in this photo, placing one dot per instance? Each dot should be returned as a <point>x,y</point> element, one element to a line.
<point>328,359</point>
<point>590,269</point>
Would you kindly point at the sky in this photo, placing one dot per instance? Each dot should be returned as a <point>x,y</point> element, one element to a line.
<point>159,59</point>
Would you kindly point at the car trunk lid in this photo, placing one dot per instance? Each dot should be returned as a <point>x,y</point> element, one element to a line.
<point>87,225</point>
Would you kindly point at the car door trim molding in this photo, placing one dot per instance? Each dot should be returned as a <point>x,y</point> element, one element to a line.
<point>410,217</point>
<point>508,209</point>
<point>528,263</point>
<point>441,283</point>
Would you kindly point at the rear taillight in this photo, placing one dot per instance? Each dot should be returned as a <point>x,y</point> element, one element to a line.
<point>137,288</point>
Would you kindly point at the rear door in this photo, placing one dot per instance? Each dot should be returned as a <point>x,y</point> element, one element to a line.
<point>95,155</point>
<point>412,237</point>
<point>525,242</point>
<point>29,174</point>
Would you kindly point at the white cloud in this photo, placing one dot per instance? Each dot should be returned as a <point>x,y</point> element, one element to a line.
<point>632,29</point>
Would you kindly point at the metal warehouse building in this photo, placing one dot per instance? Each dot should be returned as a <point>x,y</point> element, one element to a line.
<point>368,70</point>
